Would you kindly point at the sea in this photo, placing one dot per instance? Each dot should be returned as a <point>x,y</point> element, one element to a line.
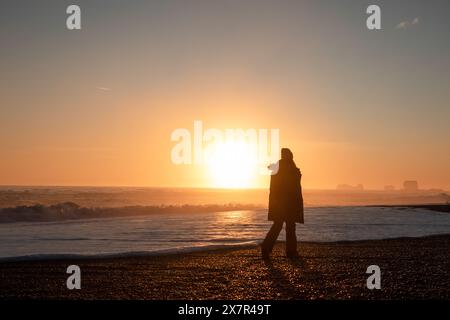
<point>76,232</point>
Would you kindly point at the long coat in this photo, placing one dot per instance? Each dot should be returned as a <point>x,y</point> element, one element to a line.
<point>285,198</point>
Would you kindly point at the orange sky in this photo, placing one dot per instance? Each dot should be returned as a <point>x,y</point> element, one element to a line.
<point>98,106</point>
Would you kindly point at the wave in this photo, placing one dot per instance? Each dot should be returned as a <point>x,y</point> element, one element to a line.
<point>187,240</point>
<point>72,211</point>
<point>130,254</point>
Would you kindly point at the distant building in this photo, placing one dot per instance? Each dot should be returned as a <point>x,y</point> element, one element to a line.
<point>347,187</point>
<point>411,185</point>
<point>389,188</point>
<point>446,197</point>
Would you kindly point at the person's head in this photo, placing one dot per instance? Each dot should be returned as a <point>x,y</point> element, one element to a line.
<point>286,154</point>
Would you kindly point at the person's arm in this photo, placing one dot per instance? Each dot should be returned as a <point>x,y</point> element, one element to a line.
<point>299,189</point>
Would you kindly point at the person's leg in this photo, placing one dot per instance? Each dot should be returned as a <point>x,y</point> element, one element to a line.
<point>271,237</point>
<point>291,239</point>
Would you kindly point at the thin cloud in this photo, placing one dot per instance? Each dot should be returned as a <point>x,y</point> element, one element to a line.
<point>402,25</point>
<point>103,88</point>
<point>408,24</point>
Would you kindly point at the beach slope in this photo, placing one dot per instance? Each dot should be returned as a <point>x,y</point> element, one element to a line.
<point>411,268</point>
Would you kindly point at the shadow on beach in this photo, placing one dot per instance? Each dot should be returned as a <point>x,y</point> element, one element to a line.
<point>284,272</point>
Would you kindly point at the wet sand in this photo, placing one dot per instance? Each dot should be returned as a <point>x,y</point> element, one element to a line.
<point>411,268</point>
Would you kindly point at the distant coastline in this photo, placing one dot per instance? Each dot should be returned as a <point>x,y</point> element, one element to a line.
<point>433,207</point>
<point>102,197</point>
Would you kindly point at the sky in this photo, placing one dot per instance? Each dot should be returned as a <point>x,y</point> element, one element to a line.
<point>97,106</point>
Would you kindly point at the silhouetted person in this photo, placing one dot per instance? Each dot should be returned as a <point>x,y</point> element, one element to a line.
<point>285,204</point>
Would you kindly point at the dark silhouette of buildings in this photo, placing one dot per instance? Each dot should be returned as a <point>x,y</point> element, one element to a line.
<point>410,185</point>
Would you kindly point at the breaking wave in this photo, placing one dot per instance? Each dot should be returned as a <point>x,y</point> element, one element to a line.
<point>129,254</point>
<point>72,211</point>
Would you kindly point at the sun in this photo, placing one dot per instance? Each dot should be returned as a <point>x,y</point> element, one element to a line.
<point>232,164</point>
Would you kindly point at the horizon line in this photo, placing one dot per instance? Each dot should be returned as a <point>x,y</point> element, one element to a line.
<point>211,188</point>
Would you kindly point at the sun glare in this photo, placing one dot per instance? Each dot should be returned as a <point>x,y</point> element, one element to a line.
<point>232,164</point>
